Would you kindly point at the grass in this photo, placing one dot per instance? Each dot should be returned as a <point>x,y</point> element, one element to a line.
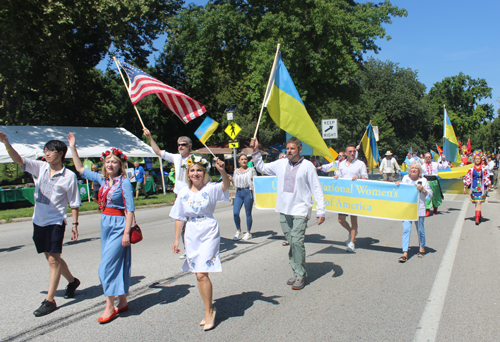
<point>10,214</point>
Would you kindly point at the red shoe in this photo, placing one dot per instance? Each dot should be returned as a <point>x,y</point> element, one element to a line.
<point>478,217</point>
<point>125,308</point>
<point>103,320</point>
<point>427,212</point>
<point>435,210</point>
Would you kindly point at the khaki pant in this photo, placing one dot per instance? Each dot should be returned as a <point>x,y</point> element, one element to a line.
<point>294,228</point>
<point>389,176</point>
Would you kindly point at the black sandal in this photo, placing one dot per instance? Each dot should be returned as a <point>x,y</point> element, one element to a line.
<point>285,243</point>
<point>403,259</point>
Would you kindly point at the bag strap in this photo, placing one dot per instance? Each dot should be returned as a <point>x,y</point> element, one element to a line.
<point>124,203</point>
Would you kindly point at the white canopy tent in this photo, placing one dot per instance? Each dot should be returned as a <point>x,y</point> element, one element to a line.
<point>28,141</point>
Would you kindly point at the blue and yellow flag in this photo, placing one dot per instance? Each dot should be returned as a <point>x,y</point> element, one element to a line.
<point>450,148</point>
<point>288,111</point>
<point>206,129</point>
<point>370,147</point>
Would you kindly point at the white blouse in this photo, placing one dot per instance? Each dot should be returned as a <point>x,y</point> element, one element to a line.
<point>243,179</point>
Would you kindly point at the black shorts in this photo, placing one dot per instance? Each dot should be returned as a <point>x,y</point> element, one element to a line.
<point>49,238</point>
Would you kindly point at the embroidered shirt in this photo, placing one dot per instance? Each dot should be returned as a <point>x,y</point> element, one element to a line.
<point>432,168</point>
<point>52,194</point>
<point>243,179</point>
<point>302,179</point>
<point>389,166</point>
<point>115,196</point>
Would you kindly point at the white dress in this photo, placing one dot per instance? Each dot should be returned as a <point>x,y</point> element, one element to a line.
<point>202,237</point>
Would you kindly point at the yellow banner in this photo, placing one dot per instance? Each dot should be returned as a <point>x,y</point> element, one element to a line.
<point>375,199</point>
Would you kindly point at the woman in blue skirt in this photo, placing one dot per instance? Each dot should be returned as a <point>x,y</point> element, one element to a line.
<point>116,199</point>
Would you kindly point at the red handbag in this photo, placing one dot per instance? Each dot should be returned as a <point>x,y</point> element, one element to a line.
<point>135,231</point>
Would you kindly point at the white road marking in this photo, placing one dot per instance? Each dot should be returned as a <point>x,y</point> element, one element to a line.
<point>429,322</point>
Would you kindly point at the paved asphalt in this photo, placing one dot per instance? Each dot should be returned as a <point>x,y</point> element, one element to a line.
<point>451,294</point>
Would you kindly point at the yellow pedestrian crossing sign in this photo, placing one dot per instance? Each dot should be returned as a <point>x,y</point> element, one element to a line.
<point>232,130</point>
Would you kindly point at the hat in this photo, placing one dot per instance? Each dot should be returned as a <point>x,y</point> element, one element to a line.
<point>388,153</point>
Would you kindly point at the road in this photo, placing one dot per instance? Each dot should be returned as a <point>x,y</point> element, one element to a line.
<point>451,294</point>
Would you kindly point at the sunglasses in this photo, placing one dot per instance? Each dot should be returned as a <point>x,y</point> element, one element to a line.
<point>182,144</point>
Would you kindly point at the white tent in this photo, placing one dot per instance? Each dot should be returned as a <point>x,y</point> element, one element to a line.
<point>28,141</point>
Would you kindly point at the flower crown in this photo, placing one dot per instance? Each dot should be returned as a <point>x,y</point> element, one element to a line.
<point>477,153</point>
<point>192,159</point>
<point>116,152</point>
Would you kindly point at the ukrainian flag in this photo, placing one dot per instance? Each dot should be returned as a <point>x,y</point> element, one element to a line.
<point>370,147</point>
<point>450,143</point>
<point>288,111</point>
<point>206,129</point>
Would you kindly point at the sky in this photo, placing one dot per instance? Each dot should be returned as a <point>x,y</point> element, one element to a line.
<point>438,39</point>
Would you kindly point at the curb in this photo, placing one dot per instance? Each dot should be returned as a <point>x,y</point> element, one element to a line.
<point>89,212</point>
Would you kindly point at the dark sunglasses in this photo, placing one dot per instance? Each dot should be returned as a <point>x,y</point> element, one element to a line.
<point>182,144</point>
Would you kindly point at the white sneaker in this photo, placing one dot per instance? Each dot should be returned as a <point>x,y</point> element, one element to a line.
<point>350,247</point>
<point>247,236</point>
<point>183,256</point>
<point>238,236</point>
<point>349,239</point>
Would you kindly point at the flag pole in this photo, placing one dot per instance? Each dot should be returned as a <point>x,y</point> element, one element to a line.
<point>209,150</point>
<point>128,91</point>
<point>269,83</point>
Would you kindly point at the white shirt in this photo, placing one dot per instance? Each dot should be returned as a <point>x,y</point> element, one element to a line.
<point>356,168</point>
<point>389,167</point>
<point>431,169</point>
<point>327,167</point>
<point>421,197</point>
<point>306,183</point>
<point>52,194</point>
<point>242,180</point>
<point>491,166</point>
<point>180,167</point>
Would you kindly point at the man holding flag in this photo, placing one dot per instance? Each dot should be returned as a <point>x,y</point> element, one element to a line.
<point>297,182</point>
<point>180,162</point>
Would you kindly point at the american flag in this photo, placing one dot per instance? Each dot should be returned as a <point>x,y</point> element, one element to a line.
<point>142,84</point>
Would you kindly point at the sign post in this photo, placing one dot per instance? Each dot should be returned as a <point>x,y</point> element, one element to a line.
<point>233,130</point>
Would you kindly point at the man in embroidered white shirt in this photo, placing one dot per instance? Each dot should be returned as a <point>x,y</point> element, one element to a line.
<point>297,182</point>
<point>430,169</point>
<point>180,164</point>
<point>388,167</point>
<point>351,168</point>
<point>55,188</point>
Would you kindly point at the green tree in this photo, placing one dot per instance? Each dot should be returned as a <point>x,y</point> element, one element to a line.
<point>50,48</point>
<point>222,53</point>
<point>394,99</point>
<point>461,94</point>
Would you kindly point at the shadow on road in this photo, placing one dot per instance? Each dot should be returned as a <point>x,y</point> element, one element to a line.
<point>236,305</point>
<point>84,293</point>
<point>166,295</point>
<point>11,249</point>
<point>230,244</point>
<point>316,270</point>
<point>69,243</point>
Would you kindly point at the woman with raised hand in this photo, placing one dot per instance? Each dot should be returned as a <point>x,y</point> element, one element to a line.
<point>243,182</point>
<point>414,177</point>
<point>478,181</point>
<point>195,204</point>
<point>116,199</point>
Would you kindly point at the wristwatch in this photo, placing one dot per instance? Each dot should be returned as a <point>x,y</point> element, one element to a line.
<point>75,223</point>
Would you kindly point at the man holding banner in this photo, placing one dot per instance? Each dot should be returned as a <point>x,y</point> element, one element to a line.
<point>297,181</point>
<point>351,168</point>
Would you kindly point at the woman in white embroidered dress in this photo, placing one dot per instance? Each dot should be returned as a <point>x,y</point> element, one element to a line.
<point>196,205</point>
